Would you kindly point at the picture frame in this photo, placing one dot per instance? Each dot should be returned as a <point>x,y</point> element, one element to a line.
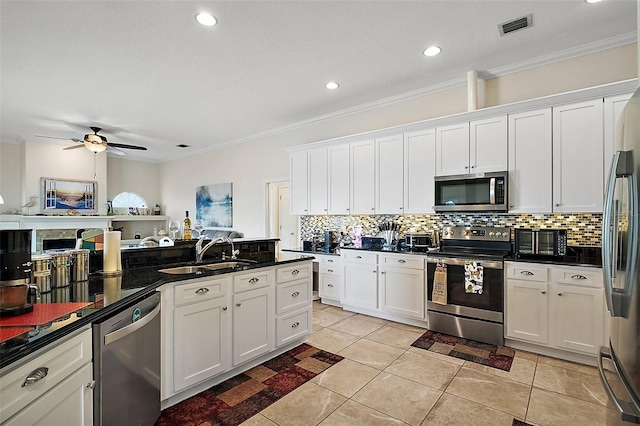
<point>214,205</point>
<point>60,196</point>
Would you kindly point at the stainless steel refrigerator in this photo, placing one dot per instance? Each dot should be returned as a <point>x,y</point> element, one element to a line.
<point>619,363</point>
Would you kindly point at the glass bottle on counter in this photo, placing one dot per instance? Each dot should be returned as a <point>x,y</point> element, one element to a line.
<point>186,228</point>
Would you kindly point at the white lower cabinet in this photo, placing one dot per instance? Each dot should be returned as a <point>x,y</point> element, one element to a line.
<point>218,324</point>
<point>402,286</point>
<point>360,286</point>
<point>329,278</point>
<point>62,395</point>
<point>559,307</point>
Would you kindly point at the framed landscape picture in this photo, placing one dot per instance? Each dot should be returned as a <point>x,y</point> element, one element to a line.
<point>61,195</point>
<point>214,205</point>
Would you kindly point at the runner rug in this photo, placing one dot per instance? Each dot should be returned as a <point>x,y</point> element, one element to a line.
<point>245,395</point>
<point>481,353</point>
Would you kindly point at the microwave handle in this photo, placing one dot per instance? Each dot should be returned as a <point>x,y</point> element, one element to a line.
<point>492,190</point>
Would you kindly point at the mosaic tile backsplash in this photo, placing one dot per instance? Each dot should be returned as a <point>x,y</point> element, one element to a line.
<point>583,229</point>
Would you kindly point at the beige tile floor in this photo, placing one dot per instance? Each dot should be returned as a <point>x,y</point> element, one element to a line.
<point>385,381</point>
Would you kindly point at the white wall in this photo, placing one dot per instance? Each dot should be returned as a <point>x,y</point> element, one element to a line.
<point>134,176</point>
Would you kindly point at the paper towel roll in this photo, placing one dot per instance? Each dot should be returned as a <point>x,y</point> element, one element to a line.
<point>111,254</point>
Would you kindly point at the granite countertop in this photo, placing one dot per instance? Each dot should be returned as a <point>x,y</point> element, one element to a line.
<point>104,296</point>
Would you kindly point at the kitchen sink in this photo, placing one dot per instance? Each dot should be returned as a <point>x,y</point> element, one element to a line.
<point>199,269</point>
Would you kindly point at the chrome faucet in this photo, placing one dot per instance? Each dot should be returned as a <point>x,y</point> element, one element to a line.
<point>200,250</point>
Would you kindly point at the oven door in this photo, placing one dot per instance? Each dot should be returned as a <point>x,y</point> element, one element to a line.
<point>487,305</point>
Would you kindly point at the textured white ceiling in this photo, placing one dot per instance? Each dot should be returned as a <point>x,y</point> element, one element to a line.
<point>149,75</point>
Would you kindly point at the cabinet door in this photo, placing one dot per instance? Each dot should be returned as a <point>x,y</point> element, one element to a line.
<point>339,179</point>
<point>360,285</point>
<point>613,107</point>
<point>201,342</point>
<point>527,310</point>
<point>578,150</point>
<point>389,175</point>
<point>488,145</point>
<point>452,150</point>
<point>419,170</point>
<point>362,173</point>
<point>578,314</point>
<point>530,159</point>
<point>318,181</point>
<point>402,291</point>
<point>68,403</point>
<point>299,177</point>
<point>253,324</point>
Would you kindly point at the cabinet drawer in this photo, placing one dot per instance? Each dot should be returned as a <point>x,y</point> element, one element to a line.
<point>201,290</point>
<point>527,272</point>
<point>252,281</point>
<point>330,260</point>
<point>330,269</point>
<point>292,296</point>
<point>591,277</point>
<point>292,326</point>
<point>329,286</point>
<point>294,272</point>
<point>360,256</point>
<point>61,361</point>
<point>413,262</point>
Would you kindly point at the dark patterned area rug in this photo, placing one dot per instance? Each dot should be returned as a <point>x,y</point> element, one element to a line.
<point>517,422</point>
<point>481,353</point>
<point>245,395</point>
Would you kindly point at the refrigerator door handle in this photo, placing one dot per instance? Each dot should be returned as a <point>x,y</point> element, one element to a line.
<point>625,408</point>
<point>609,227</point>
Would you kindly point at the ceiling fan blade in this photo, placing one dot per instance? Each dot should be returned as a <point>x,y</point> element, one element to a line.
<point>74,147</point>
<point>116,151</point>
<point>122,145</point>
<point>53,137</point>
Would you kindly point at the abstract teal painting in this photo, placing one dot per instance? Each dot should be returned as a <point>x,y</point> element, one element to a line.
<point>214,205</point>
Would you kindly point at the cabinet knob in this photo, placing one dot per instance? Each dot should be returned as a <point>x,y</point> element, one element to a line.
<point>466,167</point>
<point>35,375</point>
<point>329,260</point>
<point>329,285</point>
<point>224,308</point>
<point>543,292</point>
<point>372,209</point>
<point>295,294</point>
<point>295,324</point>
<point>347,209</point>
<point>374,271</point>
<point>202,290</point>
<point>511,205</point>
<point>329,270</point>
<point>295,272</point>
<point>557,204</point>
<point>254,280</point>
<point>358,257</point>
<point>578,277</point>
<point>325,210</point>
<point>526,273</point>
<point>382,272</point>
<point>238,304</point>
<point>473,167</point>
<point>91,384</point>
<point>402,261</point>
<point>559,294</point>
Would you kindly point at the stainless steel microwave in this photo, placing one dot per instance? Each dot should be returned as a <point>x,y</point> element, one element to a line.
<point>472,193</point>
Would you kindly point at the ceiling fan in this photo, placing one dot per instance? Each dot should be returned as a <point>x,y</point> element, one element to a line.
<point>97,143</point>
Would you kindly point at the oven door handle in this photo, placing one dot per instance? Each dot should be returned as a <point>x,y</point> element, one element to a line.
<point>491,264</point>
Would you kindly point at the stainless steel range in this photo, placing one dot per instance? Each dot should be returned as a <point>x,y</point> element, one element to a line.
<point>467,274</point>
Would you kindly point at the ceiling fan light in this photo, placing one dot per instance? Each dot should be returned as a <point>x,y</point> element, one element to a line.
<point>94,147</point>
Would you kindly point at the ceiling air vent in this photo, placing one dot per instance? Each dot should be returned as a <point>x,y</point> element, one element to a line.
<point>515,25</point>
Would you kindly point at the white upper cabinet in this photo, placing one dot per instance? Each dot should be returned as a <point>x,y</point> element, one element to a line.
<point>488,145</point>
<point>389,175</point>
<point>419,170</point>
<point>339,201</point>
<point>613,107</point>
<point>578,152</point>
<point>299,177</point>
<point>318,181</point>
<point>472,147</point>
<point>530,159</point>
<point>452,150</point>
<point>362,173</point>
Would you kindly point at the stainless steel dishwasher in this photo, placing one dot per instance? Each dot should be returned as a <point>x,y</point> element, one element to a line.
<point>126,365</point>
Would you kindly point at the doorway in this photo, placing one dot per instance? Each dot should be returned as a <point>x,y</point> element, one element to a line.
<point>282,224</point>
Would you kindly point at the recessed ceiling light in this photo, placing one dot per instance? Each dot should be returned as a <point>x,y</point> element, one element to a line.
<point>332,85</point>
<point>593,1</point>
<point>432,51</point>
<point>206,19</point>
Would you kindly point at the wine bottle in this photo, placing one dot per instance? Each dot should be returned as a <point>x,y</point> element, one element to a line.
<point>186,228</point>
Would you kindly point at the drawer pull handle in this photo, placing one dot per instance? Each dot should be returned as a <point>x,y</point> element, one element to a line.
<point>224,308</point>
<point>402,261</point>
<point>543,292</point>
<point>295,324</point>
<point>330,261</point>
<point>295,272</point>
<point>382,272</point>
<point>329,270</point>
<point>559,294</point>
<point>329,285</point>
<point>91,384</point>
<point>578,277</point>
<point>254,280</point>
<point>526,273</point>
<point>238,304</point>
<point>35,375</point>
<point>295,294</point>
<point>358,257</point>
<point>202,290</point>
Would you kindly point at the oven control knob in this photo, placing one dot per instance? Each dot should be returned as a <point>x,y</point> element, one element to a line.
<point>491,234</point>
<point>504,234</point>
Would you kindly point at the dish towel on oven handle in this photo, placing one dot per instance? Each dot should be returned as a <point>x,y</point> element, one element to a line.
<point>473,276</point>
<point>439,293</point>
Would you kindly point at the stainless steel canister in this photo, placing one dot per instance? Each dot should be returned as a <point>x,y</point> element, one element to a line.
<point>41,271</point>
<point>61,266</point>
<point>79,264</point>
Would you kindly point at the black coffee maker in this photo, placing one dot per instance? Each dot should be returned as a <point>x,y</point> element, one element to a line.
<point>15,271</point>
